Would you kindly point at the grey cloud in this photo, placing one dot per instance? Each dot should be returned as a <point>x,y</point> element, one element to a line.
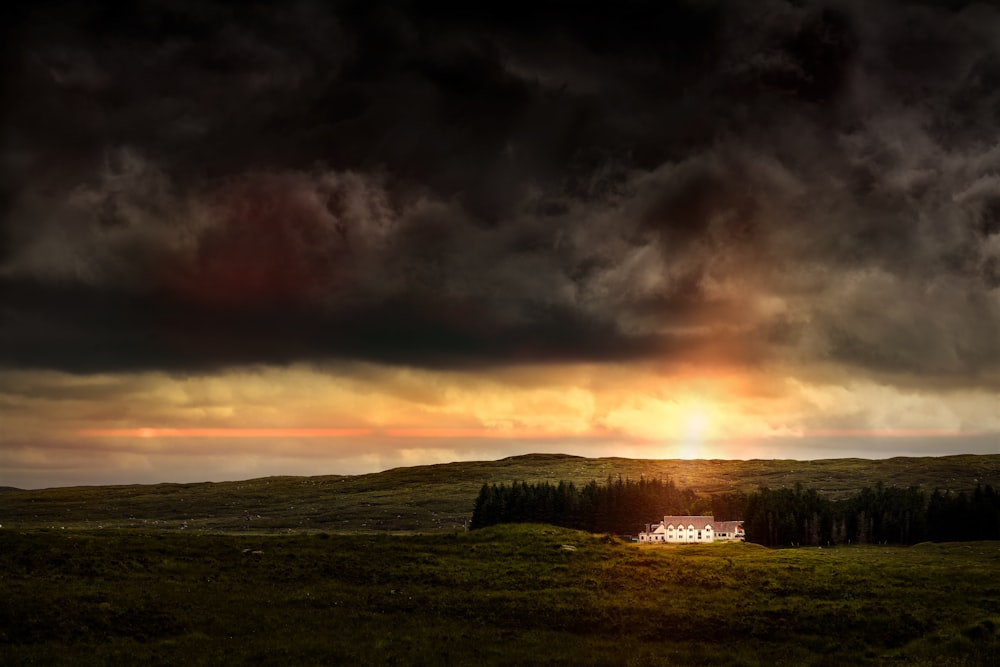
<point>286,183</point>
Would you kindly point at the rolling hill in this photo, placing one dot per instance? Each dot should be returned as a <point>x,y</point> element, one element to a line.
<point>440,498</point>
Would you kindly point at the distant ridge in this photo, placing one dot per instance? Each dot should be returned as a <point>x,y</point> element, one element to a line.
<point>440,497</point>
<point>540,457</point>
<point>4,489</point>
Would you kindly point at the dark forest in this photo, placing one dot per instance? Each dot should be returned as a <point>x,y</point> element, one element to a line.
<point>772,517</point>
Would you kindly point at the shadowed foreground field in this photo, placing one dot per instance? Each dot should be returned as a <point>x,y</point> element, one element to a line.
<point>512,594</point>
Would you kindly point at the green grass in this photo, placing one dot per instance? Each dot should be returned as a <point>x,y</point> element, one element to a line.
<point>376,569</point>
<point>503,595</point>
<point>441,497</point>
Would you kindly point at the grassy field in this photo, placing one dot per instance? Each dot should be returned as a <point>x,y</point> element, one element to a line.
<point>441,497</point>
<point>516,594</point>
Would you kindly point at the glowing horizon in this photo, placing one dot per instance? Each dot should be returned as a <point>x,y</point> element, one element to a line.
<point>513,434</point>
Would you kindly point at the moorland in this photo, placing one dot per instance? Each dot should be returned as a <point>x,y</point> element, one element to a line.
<point>513,595</point>
<point>379,569</point>
<point>441,497</point>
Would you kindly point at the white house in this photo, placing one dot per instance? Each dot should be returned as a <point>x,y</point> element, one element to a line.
<point>690,529</point>
<point>728,530</point>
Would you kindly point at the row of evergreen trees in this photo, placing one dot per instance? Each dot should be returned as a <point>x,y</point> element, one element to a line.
<point>880,515</point>
<point>771,517</point>
<point>614,507</point>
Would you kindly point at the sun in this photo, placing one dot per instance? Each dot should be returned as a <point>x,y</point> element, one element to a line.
<point>696,428</point>
<point>696,423</point>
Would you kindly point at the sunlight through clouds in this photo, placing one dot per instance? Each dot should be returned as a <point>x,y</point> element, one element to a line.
<point>323,419</point>
<point>298,238</point>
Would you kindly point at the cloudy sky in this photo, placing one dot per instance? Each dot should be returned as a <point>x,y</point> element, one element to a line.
<point>245,239</point>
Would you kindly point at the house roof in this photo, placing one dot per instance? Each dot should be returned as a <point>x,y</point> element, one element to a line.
<point>685,521</point>
<point>726,526</point>
<point>699,522</point>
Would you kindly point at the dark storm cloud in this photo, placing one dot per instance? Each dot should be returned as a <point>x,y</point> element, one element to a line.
<point>192,186</point>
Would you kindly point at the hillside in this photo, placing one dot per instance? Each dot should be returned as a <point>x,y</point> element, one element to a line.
<point>441,497</point>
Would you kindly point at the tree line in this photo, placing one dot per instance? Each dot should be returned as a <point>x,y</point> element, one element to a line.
<point>612,507</point>
<point>771,517</point>
<point>880,515</point>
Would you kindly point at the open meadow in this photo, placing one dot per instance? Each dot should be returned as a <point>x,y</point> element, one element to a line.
<point>513,594</point>
<point>379,569</point>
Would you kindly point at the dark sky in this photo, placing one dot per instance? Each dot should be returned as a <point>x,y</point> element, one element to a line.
<point>808,190</point>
